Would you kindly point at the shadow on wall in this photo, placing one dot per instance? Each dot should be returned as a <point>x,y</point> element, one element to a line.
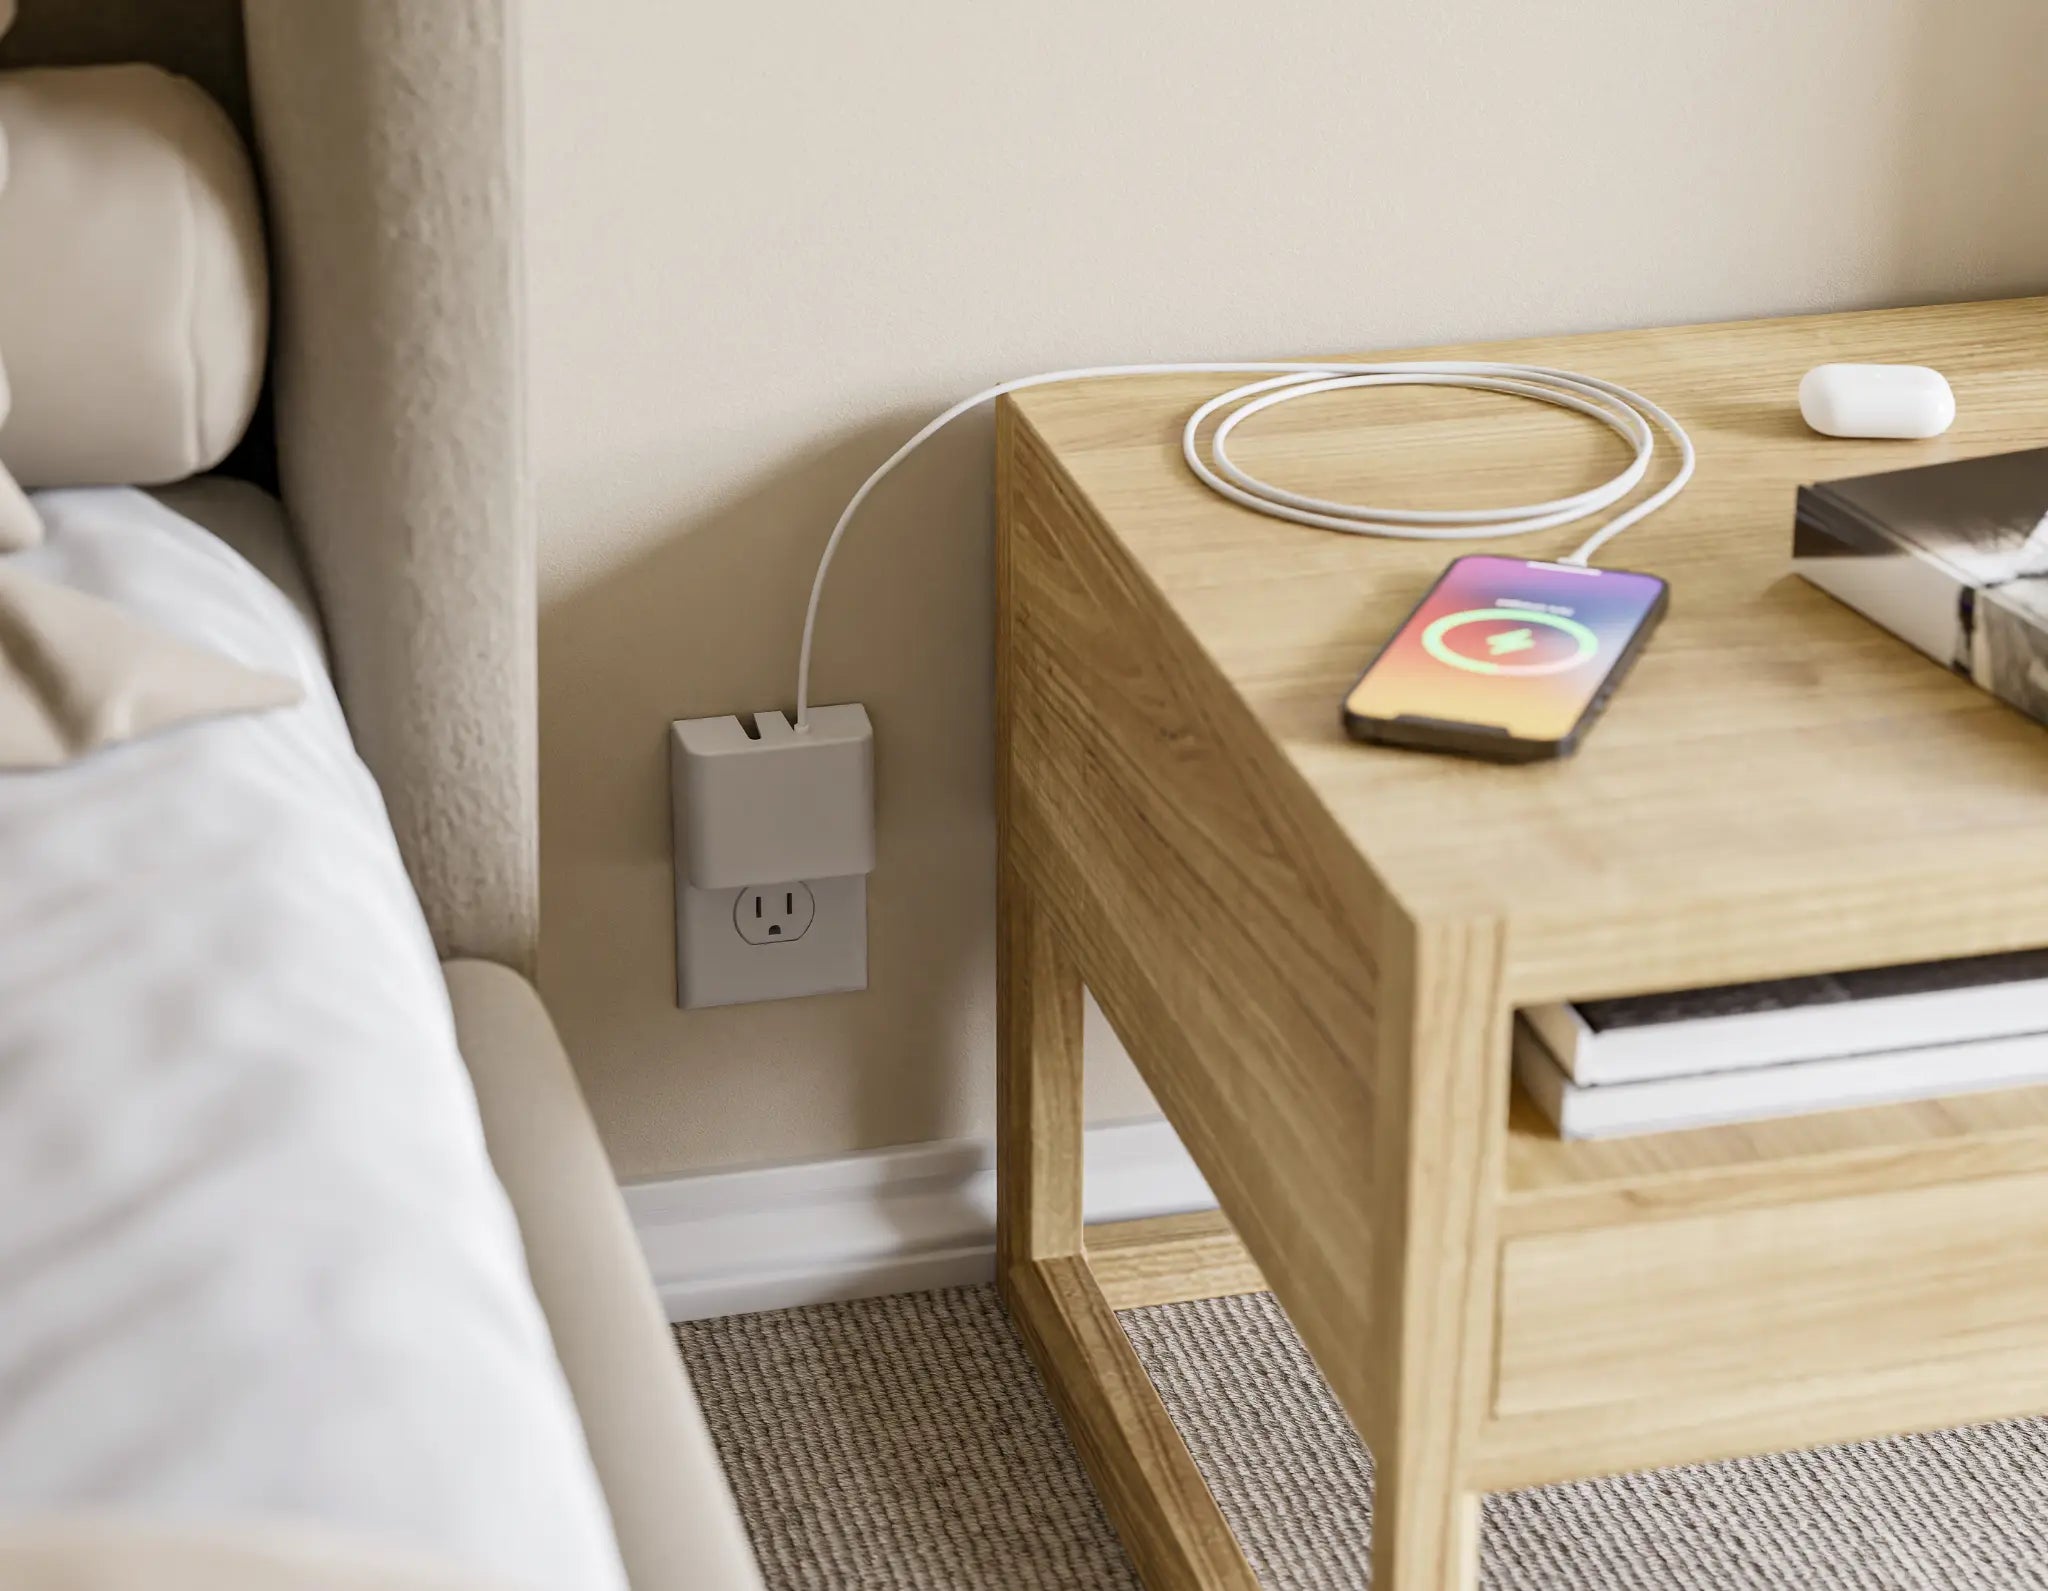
<point>707,621</point>
<point>1972,141</point>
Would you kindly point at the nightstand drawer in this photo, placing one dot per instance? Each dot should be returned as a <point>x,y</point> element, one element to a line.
<point>1749,1300</point>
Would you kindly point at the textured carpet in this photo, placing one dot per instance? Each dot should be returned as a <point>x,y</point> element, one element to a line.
<point>904,1444</point>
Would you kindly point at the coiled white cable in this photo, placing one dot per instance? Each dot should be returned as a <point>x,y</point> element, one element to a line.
<point>1629,414</point>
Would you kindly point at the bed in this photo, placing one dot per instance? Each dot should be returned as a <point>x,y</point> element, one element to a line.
<point>312,1269</point>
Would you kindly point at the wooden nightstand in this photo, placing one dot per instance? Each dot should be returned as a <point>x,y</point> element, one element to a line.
<point>1314,949</point>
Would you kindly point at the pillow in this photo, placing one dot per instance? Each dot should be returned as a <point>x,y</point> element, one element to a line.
<point>134,306</point>
<point>19,524</point>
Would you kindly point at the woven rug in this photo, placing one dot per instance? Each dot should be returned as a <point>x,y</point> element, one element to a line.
<point>904,1444</point>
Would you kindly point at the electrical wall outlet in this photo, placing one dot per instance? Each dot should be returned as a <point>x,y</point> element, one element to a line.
<point>768,913</point>
<point>727,955</point>
<point>774,839</point>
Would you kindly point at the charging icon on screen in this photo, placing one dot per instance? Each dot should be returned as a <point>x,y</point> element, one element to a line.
<point>1561,644</point>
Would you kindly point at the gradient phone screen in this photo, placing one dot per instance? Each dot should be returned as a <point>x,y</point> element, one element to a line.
<point>1503,641</point>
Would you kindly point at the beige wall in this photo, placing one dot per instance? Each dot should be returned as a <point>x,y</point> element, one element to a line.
<point>768,240</point>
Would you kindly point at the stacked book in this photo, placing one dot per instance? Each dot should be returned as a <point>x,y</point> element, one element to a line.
<point>1657,1063</point>
<point>1952,558</point>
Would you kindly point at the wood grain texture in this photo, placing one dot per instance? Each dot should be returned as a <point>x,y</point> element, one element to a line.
<point>1038,1083</point>
<point>1169,1259</point>
<point>1658,1313</point>
<point>1039,1105</point>
<point>1555,1185</point>
<point>1313,949</point>
<point>1537,1449</point>
<point>1222,922</point>
<point>1169,1524</point>
<point>1440,1117</point>
<point>1780,787</point>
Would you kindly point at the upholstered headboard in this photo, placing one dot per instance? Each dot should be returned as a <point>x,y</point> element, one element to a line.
<point>387,135</point>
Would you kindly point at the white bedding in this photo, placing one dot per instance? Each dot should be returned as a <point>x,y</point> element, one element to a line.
<point>253,1261</point>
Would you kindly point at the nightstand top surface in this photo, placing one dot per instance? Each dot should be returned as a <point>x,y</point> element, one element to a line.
<point>1780,786</point>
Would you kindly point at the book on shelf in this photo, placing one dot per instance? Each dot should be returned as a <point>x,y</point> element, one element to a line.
<point>1792,1088</point>
<point>1743,1025</point>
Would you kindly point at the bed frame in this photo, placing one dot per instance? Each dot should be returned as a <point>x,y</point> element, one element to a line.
<point>387,135</point>
<point>393,427</point>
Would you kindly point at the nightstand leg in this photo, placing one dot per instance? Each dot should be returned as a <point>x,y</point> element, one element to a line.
<point>1169,1524</point>
<point>1038,1083</point>
<point>1424,1538</point>
<point>1439,1137</point>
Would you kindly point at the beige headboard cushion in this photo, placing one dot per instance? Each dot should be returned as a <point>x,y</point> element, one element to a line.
<point>386,135</point>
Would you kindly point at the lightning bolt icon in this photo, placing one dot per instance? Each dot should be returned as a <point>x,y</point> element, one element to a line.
<point>1506,641</point>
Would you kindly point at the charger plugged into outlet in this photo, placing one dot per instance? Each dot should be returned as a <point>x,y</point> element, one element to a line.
<point>774,839</point>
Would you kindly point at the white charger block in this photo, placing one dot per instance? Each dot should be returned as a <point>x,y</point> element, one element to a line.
<point>775,805</point>
<point>1902,402</point>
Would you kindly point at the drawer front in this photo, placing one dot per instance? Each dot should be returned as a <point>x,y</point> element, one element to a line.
<point>1684,1310</point>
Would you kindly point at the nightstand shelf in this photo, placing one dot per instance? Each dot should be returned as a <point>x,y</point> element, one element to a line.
<point>1552,1182</point>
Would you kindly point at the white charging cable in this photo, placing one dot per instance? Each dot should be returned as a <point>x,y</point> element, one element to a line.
<point>1628,414</point>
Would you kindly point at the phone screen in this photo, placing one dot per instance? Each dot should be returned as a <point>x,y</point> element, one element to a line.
<point>1510,644</point>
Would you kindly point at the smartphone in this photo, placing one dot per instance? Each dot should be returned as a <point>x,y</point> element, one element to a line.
<point>1506,658</point>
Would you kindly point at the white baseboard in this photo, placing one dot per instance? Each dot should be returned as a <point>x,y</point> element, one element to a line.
<point>885,1221</point>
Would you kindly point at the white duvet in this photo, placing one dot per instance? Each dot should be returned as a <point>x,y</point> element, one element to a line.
<point>253,1261</point>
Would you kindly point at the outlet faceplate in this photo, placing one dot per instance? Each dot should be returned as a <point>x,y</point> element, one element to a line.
<point>726,955</point>
<point>774,836</point>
